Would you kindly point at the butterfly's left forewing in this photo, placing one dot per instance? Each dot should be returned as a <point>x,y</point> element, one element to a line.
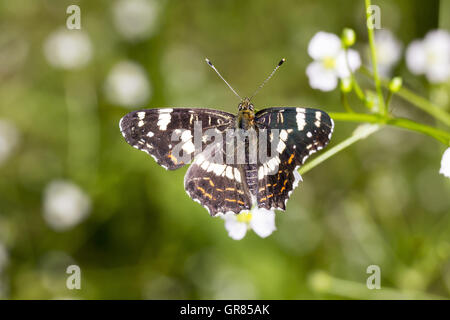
<point>302,131</point>
<point>153,130</point>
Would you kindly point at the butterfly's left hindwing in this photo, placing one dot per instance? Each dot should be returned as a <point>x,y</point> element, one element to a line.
<point>152,131</point>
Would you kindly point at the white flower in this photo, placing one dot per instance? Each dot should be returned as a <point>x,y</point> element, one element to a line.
<point>261,220</point>
<point>330,61</point>
<point>68,49</point>
<point>65,205</point>
<point>445,163</point>
<point>388,51</point>
<point>127,85</point>
<point>136,19</point>
<point>430,56</point>
<point>9,138</point>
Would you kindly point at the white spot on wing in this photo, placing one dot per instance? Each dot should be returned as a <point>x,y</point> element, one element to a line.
<point>237,175</point>
<point>261,173</point>
<point>229,172</point>
<point>188,147</point>
<point>164,118</point>
<point>141,115</point>
<point>283,135</point>
<point>300,118</point>
<point>186,135</point>
<point>281,146</point>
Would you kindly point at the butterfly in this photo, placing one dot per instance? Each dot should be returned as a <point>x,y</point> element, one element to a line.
<point>213,140</point>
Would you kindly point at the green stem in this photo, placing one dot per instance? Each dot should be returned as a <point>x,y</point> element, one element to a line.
<point>338,148</point>
<point>437,134</point>
<point>324,283</point>
<point>344,101</point>
<point>355,84</point>
<point>416,100</point>
<point>388,98</point>
<point>373,55</point>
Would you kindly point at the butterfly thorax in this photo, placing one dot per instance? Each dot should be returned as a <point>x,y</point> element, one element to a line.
<point>246,115</point>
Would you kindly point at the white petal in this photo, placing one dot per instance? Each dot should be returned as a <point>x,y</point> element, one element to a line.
<point>127,85</point>
<point>445,163</point>
<point>388,48</point>
<point>68,49</point>
<point>416,57</point>
<point>354,61</point>
<point>437,48</point>
<point>438,73</point>
<point>324,44</point>
<point>320,77</point>
<point>236,230</point>
<point>136,19</point>
<point>263,222</point>
<point>65,205</point>
<point>438,41</point>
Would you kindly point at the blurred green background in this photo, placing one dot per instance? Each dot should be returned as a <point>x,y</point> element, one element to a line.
<point>133,231</point>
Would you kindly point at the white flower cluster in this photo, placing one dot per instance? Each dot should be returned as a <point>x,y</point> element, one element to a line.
<point>127,83</point>
<point>429,56</point>
<point>330,61</point>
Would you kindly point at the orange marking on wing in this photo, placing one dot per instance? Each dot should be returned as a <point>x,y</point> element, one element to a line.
<point>201,189</point>
<point>171,157</point>
<point>291,158</point>
<point>240,202</point>
<point>230,200</point>
<point>282,189</point>
<point>270,196</point>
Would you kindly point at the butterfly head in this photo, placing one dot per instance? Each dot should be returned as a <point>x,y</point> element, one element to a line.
<point>246,105</point>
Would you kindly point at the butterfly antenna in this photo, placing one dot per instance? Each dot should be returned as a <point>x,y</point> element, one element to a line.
<point>229,86</point>
<point>268,78</point>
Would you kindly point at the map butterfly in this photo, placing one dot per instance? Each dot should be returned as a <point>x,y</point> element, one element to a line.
<point>221,185</point>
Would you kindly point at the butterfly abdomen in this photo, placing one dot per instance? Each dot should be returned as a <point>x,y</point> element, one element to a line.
<point>251,177</point>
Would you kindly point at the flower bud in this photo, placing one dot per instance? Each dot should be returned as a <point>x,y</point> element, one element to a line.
<point>346,85</point>
<point>348,37</point>
<point>395,84</point>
